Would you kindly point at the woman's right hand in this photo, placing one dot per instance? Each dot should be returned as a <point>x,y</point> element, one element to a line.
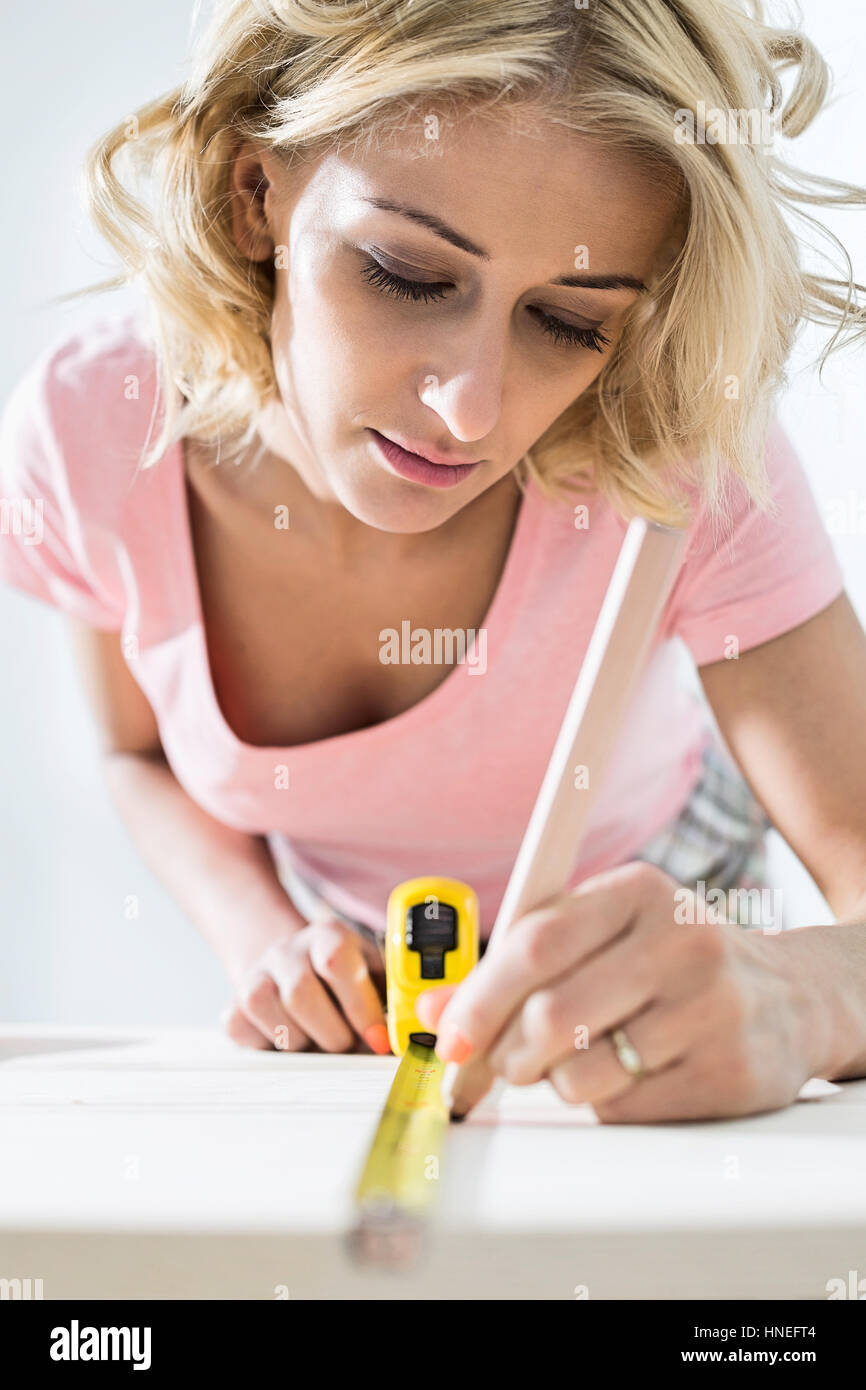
<point>312,988</point>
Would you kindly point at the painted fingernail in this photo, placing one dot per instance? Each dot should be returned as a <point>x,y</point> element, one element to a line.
<point>451,1045</point>
<point>376,1036</point>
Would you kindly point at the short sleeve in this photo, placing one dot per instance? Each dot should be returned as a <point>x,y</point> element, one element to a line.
<point>766,572</point>
<point>42,536</point>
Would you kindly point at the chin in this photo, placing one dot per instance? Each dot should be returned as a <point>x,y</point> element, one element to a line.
<point>391,509</point>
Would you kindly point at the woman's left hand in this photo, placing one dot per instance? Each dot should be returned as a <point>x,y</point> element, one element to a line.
<point>721,1018</point>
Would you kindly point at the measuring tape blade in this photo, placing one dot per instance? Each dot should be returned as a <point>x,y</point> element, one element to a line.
<point>399,1180</point>
<point>431,938</point>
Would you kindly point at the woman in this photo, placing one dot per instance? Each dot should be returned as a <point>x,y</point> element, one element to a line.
<point>435,298</point>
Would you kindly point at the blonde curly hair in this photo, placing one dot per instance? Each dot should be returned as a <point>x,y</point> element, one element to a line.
<point>300,77</point>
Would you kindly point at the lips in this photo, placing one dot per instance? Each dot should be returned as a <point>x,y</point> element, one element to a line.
<point>423,451</point>
<point>417,467</point>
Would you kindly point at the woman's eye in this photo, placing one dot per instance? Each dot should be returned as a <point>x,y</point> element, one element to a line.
<point>423,290</point>
<point>562,332</point>
<point>383,279</point>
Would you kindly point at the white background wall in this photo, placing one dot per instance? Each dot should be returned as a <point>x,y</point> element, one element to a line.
<point>67,951</point>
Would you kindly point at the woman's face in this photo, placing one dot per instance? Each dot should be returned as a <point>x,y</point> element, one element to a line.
<point>526,245</point>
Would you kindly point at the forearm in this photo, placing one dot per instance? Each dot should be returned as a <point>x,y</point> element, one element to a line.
<point>223,879</point>
<point>829,962</point>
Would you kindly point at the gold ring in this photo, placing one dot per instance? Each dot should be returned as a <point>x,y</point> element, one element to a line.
<point>627,1053</point>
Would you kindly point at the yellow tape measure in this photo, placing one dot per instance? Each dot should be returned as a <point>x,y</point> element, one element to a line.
<point>431,940</point>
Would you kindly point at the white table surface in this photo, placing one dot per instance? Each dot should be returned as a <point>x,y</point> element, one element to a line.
<point>169,1163</point>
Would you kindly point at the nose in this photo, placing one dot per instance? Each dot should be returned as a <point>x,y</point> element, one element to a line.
<point>465,384</point>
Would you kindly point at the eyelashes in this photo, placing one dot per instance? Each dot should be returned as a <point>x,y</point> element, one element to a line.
<point>422,291</point>
<point>562,332</point>
<point>417,290</point>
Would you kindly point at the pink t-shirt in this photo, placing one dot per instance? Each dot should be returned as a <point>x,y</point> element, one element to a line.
<point>447,786</point>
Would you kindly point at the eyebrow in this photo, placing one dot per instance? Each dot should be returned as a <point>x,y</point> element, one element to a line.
<point>441,229</point>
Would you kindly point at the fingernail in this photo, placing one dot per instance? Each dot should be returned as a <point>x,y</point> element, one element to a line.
<point>376,1036</point>
<point>451,1045</point>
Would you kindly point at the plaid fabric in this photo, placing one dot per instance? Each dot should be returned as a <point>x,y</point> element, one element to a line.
<point>718,840</point>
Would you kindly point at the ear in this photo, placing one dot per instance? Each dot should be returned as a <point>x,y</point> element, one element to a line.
<point>249,187</point>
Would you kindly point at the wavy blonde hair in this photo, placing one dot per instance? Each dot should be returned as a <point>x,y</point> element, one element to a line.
<point>300,77</point>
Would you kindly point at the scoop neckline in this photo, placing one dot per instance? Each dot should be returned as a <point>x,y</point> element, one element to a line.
<point>500,613</point>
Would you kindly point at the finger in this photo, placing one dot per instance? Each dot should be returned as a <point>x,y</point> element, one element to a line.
<point>597,1076</point>
<point>261,1005</point>
<point>241,1031</point>
<point>667,1095</point>
<point>710,1083</point>
<point>542,945</point>
<point>595,1073</point>
<point>670,966</point>
<point>306,1000</point>
<point>374,955</point>
<point>338,959</point>
<point>430,1004</point>
<point>679,1092</point>
<point>616,983</point>
<point>663,1036</point>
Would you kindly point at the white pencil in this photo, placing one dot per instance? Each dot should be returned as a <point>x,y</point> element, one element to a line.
<point>644,575</point>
